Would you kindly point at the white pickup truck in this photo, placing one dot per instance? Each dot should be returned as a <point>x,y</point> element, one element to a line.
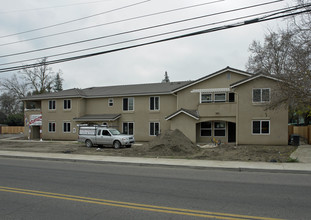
<point>102,135</point>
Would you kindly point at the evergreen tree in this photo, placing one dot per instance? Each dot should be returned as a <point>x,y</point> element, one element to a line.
<point>58,84</point>
<point>166,78</point>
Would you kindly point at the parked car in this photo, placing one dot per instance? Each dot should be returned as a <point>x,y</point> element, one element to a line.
<point>102,135</point>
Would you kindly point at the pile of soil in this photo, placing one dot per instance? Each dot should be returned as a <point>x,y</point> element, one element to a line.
<point>171,143</point>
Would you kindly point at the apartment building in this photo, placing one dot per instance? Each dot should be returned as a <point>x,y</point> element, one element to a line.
<point>230,105</point>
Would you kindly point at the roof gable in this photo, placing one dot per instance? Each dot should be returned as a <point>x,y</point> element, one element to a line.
<point>227,69</point>
<point>191,113</point>
<point>253,78</point>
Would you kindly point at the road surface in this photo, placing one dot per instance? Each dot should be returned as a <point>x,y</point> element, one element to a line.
<point>34,189</point>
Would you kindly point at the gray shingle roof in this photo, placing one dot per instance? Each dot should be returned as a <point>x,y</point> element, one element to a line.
<point>104,117</point>
<point>114,91</point>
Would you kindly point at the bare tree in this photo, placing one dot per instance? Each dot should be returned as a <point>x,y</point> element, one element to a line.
<point>35,80</point>
<point>286,54</point>
<point>15,86</point>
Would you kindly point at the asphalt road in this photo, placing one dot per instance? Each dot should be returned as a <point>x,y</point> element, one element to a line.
<point>34,189</point>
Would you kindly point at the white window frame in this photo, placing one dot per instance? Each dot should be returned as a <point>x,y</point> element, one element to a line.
<point>65,126</point>
<point>220,93</point>
<point>65,105</point>
<point>261,89</point>
<point>51,130</point>
<point>218,129</point>
<point>208,101</point>
<point>52,101</point>
<point>260,127</point>
<point>128,127</point>
<point>128,104</point>
<point>206,129</point>
<point>154,103</point>
<point>110,102</point>
<point>154,128</point>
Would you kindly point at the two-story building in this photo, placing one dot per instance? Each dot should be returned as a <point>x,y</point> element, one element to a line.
<point>230,105</point>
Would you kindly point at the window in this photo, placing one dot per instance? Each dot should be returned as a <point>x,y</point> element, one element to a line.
<point>220,129</point>
<point>128,104</point>
<point>261,95</point>
<point>154,128</point>
<point>206,129</point>
<point>206,97</point>
<point>67,104</point>
<point>52,104</point>
<point>154,103</point>
<point>231,97</point>
<point>261,127</point>
<point>110,102</point>
<point>128,128</point>
<point>66,127</point>
<point>106,133</point>
<point>228,76</point>
<point>220,97</point>
<point>52,126</point>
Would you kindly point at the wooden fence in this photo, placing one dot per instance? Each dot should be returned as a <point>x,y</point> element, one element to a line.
<point>302,131</point>
<point>11,129</point>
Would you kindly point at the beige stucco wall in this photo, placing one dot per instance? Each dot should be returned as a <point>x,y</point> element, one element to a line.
<point>247,112</point>
<point>141,116</point>
<point>186,125</point>
<point>59,116</point>
<point>189,100</point>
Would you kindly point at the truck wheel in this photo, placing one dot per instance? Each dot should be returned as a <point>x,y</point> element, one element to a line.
<point>116,144</point>
<point>88,143</point>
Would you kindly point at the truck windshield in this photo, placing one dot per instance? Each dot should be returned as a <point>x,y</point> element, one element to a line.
<point>114,131</point>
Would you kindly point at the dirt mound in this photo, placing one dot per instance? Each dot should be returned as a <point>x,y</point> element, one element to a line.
<point>171,143</point>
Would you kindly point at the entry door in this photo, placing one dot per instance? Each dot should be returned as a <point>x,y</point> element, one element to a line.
<point>231,132</point>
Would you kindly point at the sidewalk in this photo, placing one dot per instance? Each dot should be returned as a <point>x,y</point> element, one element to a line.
<point>301,167</point>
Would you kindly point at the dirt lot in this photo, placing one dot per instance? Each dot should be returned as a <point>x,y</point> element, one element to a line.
<point>170,144</point>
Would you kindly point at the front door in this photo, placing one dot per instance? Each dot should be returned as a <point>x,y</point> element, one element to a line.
<point>231,132</point>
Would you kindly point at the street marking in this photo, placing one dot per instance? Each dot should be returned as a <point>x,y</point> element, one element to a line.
<point>137,206</point>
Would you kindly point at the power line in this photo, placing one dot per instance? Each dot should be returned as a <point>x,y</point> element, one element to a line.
<point>142,29</point>
<point>157,35</point>
<point>51,7</point>
<point>114,22</point>
<point>74,20</point>
<point>239,24</point>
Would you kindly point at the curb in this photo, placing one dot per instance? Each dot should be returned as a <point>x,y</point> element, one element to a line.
<point>167,165</point>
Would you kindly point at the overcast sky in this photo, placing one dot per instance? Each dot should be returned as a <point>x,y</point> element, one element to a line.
<point>184,59</point>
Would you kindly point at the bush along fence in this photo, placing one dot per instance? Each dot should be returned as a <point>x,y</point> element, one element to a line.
<point>302,131</point>
<point>11,129</point>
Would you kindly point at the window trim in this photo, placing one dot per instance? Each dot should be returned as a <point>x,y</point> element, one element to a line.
<point>206,129</point>
<point>53,130</point>
<point>220,129</point>
<point>219,93</point>
<point>159,126</point>
<point>110,102</point>
<point>260,128</point>
<point>127,110</point>
<point>66,122</point>
<point>261,101</point>
<point>52,101</point>
<point>70,101</point>
<point>154,101</point>
<point>130,122</point>
<point>206,93</point>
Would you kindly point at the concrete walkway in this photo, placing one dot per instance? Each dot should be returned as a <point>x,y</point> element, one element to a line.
<point>303,154</point>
